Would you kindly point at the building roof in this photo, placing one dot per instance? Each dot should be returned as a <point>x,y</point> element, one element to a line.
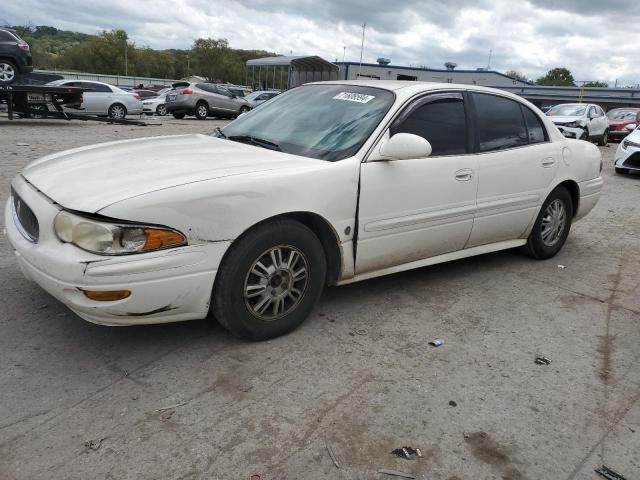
<point>308,63</point>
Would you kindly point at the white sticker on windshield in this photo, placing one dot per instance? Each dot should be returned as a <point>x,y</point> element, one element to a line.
<point>354,97</point>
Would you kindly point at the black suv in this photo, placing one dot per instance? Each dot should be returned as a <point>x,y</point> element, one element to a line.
<point>15,56</point>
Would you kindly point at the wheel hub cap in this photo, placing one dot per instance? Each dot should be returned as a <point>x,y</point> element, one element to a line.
<point>276,282</point>
<point>553,223</point>
<point>6,72</point>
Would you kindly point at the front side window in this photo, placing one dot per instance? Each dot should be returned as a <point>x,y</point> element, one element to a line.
<point>441,121</point>
<point>500,123</point>
<point>326,122</point>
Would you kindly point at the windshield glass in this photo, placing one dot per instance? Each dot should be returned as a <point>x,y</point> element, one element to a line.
<point>327,122</point>
<point>567,110</point>
<point>253,95</point>
<point>621,115</point>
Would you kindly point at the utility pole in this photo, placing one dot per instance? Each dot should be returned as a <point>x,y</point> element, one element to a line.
<point>344,52</point>
<point>187,64</point>
<point>489,62</point>
<point>126,66</point>
<point>364,26</point>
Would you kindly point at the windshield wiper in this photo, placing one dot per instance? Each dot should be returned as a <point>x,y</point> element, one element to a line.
<point>259,142</point>
<point>219,131</point>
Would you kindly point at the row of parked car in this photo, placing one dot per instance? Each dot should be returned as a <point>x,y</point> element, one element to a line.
<point>587,121</point>
<point>201,100</point>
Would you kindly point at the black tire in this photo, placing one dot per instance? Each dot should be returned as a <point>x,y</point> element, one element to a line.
<point>230,306</point>
<point>587,136</point>
<point>603,141</point>
<point>536,247</point>
<point>622,171</point>
<point>242,110</point>
<point>8,72</point>
<point>117,111</point>
<point>202,111</point>
<point>179,116</point>
<point>161,110</point>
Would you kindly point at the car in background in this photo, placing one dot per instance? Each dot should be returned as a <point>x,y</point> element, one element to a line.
<point>622,121</point>
<point>329,183</point>
<point>546,108</point>
<point>583,121</point>
<point>259,97</point>
<point>104,99</point>
<point>627,157</point>
<point>144,94</point>
<point>15,56</point>
<point>204,100</point>
<point>156,105</point>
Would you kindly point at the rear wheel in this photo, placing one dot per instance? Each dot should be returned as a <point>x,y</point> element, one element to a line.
<point>552,225</point>
<point>243,110</point>
<point>117,111</point>
<point>8,72</point>
<point>585,135</point>
<point>179,116</point>
<point>269,281</point>
<point>202,111</point>
<point>622,171</point>
<point>161,110</point>
<point>603,141</point>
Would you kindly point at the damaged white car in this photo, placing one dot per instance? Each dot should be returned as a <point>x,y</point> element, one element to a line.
<point>329,183</point>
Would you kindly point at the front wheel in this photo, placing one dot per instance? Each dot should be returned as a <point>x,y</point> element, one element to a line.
<point>269,281</point>
<point>243,110</point>
<point>552,225</point>
<point>161,110</point>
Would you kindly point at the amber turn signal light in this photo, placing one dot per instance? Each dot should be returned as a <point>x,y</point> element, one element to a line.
<point>106,296</point>
<point>157,239</point>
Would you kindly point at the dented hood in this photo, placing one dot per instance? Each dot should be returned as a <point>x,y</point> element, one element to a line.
<point>90,178</point>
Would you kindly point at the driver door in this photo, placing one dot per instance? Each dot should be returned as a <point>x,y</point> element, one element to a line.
<point>414,209</point>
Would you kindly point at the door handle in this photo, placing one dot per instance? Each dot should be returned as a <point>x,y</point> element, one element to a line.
<point>548,162</point>
<point>464,175</point>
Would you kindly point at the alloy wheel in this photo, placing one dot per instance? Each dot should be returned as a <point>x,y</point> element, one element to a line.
<point>117,112</point>
<point>7,73</point>
<point>553,223</point>
<point>276,282</point>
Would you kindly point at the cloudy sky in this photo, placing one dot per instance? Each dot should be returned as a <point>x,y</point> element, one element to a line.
<point>595,39</point>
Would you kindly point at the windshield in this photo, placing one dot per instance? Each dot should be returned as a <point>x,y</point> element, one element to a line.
<point>567,110</point>
<point>621,115</point>
<point>327,122</point>
<point>253,95</point>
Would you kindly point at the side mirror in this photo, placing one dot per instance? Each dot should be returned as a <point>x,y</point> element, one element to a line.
<point>405,146</point>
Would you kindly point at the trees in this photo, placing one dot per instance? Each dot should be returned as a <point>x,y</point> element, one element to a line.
<point>517,75</point>
<point>557,77</point>
<point>595,84</point>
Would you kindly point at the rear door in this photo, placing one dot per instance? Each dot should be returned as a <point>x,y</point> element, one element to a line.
<point>97,97</point>
<point>516,165</point>
<point>414,209</point>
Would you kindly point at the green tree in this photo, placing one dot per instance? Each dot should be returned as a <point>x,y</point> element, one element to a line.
<point>517,75</point>
<point>213,59</point>
<point>557,77</point>
<point>595,84</point>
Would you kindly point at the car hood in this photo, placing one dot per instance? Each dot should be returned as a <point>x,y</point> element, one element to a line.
<point>90,178</point>
<point>565,119</point>
<point>634,136</point>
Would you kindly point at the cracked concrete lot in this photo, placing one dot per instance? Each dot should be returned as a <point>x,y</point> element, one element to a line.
<point>187,401</point>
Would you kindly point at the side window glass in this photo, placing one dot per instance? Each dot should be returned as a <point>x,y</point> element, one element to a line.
<point>537,132</point>
<point>442,122</point>
<point>500,123</point>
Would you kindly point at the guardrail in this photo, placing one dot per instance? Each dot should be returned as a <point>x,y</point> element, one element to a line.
<point>117,80</point>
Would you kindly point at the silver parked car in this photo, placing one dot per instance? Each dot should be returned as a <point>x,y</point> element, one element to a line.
<point>259,97</point>
<point>205,100</point>
<point>104,99</point>
<point>156,105</point>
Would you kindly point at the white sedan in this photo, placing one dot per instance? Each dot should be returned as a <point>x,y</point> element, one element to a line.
<point>328,183</point>
<point>628,154</point>
<point>103,99</point>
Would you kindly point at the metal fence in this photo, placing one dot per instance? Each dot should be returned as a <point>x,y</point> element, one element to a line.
<point>117,80</point>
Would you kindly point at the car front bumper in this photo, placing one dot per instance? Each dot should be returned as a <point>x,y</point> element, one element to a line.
<point>628,158</point>
<point>166,286</point>
<point>572,132</point>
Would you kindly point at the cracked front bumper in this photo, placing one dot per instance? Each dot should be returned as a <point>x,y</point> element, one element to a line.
<point>572,132</point>
<point>166,286</point>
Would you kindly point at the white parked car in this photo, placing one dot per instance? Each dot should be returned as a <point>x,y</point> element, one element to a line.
<point>329,183</point>
<point>581,120</point>
<point>104,99</point>
<point>156,105</point>
<point>628,153</point>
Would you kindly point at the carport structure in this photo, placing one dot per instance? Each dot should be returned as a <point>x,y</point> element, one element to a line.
<point>288,72</point>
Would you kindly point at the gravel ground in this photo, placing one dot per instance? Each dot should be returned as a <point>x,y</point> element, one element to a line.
<point>187,401</point>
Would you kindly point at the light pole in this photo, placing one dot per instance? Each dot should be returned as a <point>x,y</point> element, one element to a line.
<point>364,26</point>
<point>126,66</point>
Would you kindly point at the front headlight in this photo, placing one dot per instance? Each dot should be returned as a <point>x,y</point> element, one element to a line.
<point>105,238</point>
<point>628,143</point>
<point>573,125</point>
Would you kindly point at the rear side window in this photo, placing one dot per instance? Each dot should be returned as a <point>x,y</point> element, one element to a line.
<point>500,123</point>
<point>95,87</point>
<point>6,37</point>
<point>537,132</point>
<point>441,121</point>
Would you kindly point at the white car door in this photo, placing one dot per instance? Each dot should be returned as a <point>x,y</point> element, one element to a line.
<point>516,164</point>
<point>97,97</point>
<point>414,209</point>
